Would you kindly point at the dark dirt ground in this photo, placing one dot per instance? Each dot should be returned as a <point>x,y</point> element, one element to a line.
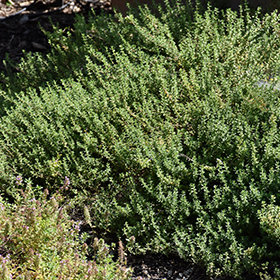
<point>20,32</point>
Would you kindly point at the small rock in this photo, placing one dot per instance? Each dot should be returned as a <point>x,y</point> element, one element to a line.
<point>24,19</point>
<point>188,272</point>
<point>145,272</point>
<point>38,46</point>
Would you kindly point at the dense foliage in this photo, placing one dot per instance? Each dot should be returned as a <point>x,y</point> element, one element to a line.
<point>39,241</point>
<point>159,122</point>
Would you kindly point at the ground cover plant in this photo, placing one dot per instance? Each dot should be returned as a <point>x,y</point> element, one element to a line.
<point>39,241</point>
<point>161,128</point>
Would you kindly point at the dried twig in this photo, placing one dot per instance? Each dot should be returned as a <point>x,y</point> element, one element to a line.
<point>37,14</point>
<point>19,12</point>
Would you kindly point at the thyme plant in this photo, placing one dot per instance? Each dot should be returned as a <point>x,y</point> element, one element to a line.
<point>39,241</point>
<point>159,122</point>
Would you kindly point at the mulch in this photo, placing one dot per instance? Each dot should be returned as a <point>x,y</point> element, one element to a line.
<point>22,21</point>
<point>160,267</point>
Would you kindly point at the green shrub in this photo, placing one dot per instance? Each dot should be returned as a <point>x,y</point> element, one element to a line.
<point>269,217</point>
<point>160,121</point>
<point>39,241</point>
